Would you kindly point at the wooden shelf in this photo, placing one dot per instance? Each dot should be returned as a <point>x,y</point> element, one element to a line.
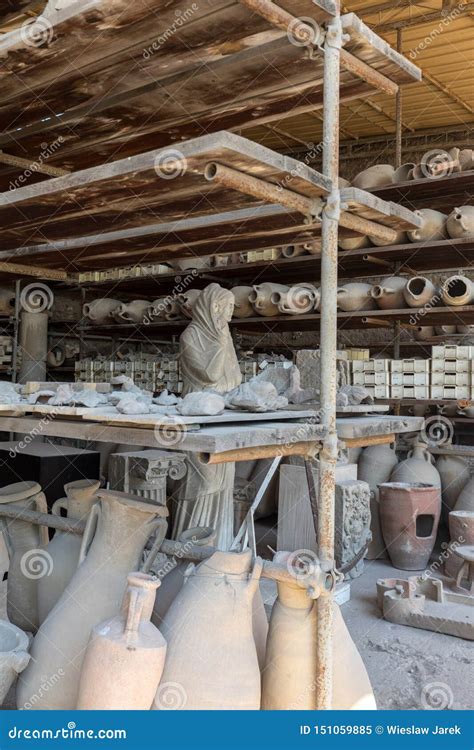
<point>443,193</point>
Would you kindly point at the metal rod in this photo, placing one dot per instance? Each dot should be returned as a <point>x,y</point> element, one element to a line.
<point>377,261</point>
<point>380,323</point>
<point>360,69</point>
<point>304,448</point>
<point>367,227</point>
<point>9,510</point>
<point>364,442</point>
<point>281,19</point>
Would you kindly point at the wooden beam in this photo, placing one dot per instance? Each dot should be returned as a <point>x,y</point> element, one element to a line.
<point>32,165</point>
<point>379,109</point>
<point>40,273</point>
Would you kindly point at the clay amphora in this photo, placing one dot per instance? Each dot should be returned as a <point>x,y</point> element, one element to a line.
<point>420,291</point>
<point>376,463</point>
<point>242,307</point>
<point>457,290</point>
<point>261,298</point>
<point>355,296</point>
<point>454,473</point>
<point>172,309</point>
<point>297,300</point>
<point>293,251</point>
<point>64,548</point>
<point>373,177</point>
<point>116,532</point>
<point>409,515</point>
<point>460,222</point>
<point>157,310</point>
<point>14,655</point>
<point>468,412</point>
<point>353,243</point>
<point>469,330</point>
<point>28,563</point>
<point>445,330</point>
<point>421,333</point>
<point>433,226</point>
<point>389,293</point>
<point>400,239</point>
<point>404,172</point>
<point>7,302</point>
<point>212,656</point>
<point>99,311</point>
<point>461,531</point>
<point>187,300</point>
<point>466,159</point>
<point>131,312</point>
<point>186,264</point>
<point>417,467</point>
<point>465,500</point>
<point>289,678</point>
<point>125,656</point>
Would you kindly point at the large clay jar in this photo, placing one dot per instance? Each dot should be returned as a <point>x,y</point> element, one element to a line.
<point>355,296</point>
<point>445,330</point>
<point>400,239</point>
<point>433,226</point>
<point>417,467</point>
<point>420,291</point>
<point>376,463</point>
<point>374,177</point>
<point>261,298</point>
<point>7,302</point>
<point>14,656</point>
<point>242,307</point>
<point>289,678</point>
<point>461,531</point>
<point>131,312</point>
<point>421,333</point>
<point>468,330</point>
<point>465,500</point>
<point>64,548</point>
<point>404,172</point>
<point>409,514</point>
<point>156,311</point>
<point>212,658</point>
<point>28,563</point>
<point>125,656</point>
<point>172,309</point>
<point>454,473</point>
<point>116,532</point>
<point>389,294</point>
<point>99,311</point>
<point>457,290</point>
<point>186,302</point>
<point>293,251</point>
<point>298,300</point>
<point>353,243</point>
<point>460,222</point>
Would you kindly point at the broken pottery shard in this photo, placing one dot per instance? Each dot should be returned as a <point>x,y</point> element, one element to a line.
<point>166,399</point>
<point>62,396</point>
<point>90,398</point>
<point>255,396</point>
<point>287,381</point>
<point>132,405</point>
<point>201,403</point>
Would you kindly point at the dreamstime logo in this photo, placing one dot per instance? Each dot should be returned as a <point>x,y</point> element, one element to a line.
<point>36,32</point>
<point>36,298</point>
<point>304,32</point>
<point>170,696</point>
<point>437,696</point>
<point>300,299</point>
<point>170,163</point>
<point>46,683</point>
<point>437,431</point>
<point>436,164</point>
<point>169,434</point>
<point>302,564</point>
<point>36,563</point>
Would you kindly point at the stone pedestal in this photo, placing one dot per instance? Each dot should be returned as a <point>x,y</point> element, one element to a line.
<point>144,473</point>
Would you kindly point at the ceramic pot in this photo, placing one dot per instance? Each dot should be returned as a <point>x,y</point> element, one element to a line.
<point>355,296</point>
<point>99,311</point>
<point>449,410</point>
<point>131,312</point>
<point>298,300</point>
<point>261,298</point>
<point>289,678</point>
<point>404,172</point>
<point>460,222</point>
<point>293,251</point>
<point>353,243</point>
<point>116,532</point>
<point>409,515</point>
<point>374,177</point>
<point>468,330</point>
<point>445,330</point>
<point>56,356</point>
<point>157,310</point>
<point>187,264</point>
<point>28,563</point>
<point>376,463</point>
<point>468,412</point>
<point>389,294</point>
<point>242,307</point>
<point>7,302</point>
<point>172,309</point>
<point>125,656</point>
<point>454,473</point>
<point>418,467</point>
<point>457,290</point>
<point>433,226</point>
<point>465,500</point>
<point>186,302</point>
<point>420,291</point>
<point>422,333</point>
<point>400,239</point>
<point>64,548</point>
<point>466,159</point>
<point>14,656</point>
<point>209,625</point>
<point>461,531</point>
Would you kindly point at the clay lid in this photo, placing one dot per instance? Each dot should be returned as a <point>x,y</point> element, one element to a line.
<point>19,491</point>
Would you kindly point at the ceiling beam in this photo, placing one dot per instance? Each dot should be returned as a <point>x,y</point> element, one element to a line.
<point>32,165</point>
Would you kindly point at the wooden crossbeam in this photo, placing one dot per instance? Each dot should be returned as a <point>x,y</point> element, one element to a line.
<point>52,274</point>
<point>32,165</point>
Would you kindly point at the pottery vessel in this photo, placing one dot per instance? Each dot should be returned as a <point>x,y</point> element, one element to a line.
<point>131,312</point>
<point>157,310</point>
<point>373,177</point>
<point>460,222</point>
<point>457,290</point>
<point>468,412</point>
<point>445,330</point>
<point>468,330</point>
<point>172,309</point>
<point>28,563</point>
<point>209,625</point>
<point>417,467</point>
<point>7,302</point>
<point>389,294</point>
<point>293,251</point>
<point>116,532</point>
<point>242,307</point>
<point>433,226</point>
<point>420,291</point>
<point>261,298</point>
<point>400,239</point>
<point>422,333</point>
<point>99,311</point>
<point>466,159</point>
<point>404,172</point>
<point>125,655</point>
<point>64,548</point>
<point>298,300</point>
<point>465,500</point>
<point>409,515</point>
<point>289,678</point>
<point>376,463</point>
<point>14,656</point>
<point>353,243</point>
<point>454,473</point>
<point>187,264</point>
<point>461,531</point>
<point>355,296</point>
<point>186,302</point>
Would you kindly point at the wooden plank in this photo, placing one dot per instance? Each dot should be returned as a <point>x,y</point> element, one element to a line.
<point>20,269</point>
<point>369,206</point>
<point>369,427</point>
<point>229,416</point>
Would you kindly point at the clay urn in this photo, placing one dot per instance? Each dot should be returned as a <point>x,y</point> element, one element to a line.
<point>14,656</point>
<point>157,310</point>
<point>420,291</point>
<point>466,159</point>
<point>409,515</point>
<point>99,311</point>
<point>461,531</point>
<point>445,330</point>
<point>404,172</point>
<point>389,294</point>
<point>374,177</point>
<point>422,333</point>
<point>433,226</point>
<point>401,239</point>
<point>457,290</point>
<point>353,243</point>
<point>467,330</point>
<point>454,473</point>
<point>261,298</point>
<point>355,296</point>
<point>460,222</point>
<point>293,251</point>
<point>465,500</point>
<point>298,300</point>
<point>131,312</point>
<point>7,302</point>
<point>376,463</point>
<point>242,307</point>
<point>417,467</point>
<point>172,308</point>
<point>187,264</point>
<point>186,302</point>
<point>467,411</point>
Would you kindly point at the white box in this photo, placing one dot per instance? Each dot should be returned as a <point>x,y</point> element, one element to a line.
<point>450,391</point>
<point>450,378</point>
<point>452,351</point>
<point>451,365</point>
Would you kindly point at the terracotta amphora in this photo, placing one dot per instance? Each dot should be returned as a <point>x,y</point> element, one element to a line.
<point>389,294</point>
<point>131,312</point>
<point>116,532</point>
<point>466,159</point>
<point>457,290</point>
<point>289,678</point>
<point>28,562</point>
<point>293,251</point>
<point>420,291</point>
<point>404,172</point>
<point>376,463</point>
<point>242,307</point>
<point>454,473</point>
<point>417,467</point>
<point>461,531</point>
<point>212,658</point>
<point>445,330</point>
<point>298,300</point>
<point>355,296</point>
<point>14,656</point>
<point>353,243</point>
<point>125,656</point>
<point>99,311</point>
<point>7,302</point>
<point>261,298</point>
<point>421,333</point>
<point>374,177</point>
<point>186,302</point>
<point>433,226</point>
<point>468,330</point>
<point>400,239</point>
<point>409,515</point>
<point>460,222</point>
<point>172,308</point>
<point>465,500</point>
<point>64,548</point>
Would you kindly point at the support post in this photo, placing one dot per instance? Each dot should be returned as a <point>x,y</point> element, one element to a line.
<point>398,116</point>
